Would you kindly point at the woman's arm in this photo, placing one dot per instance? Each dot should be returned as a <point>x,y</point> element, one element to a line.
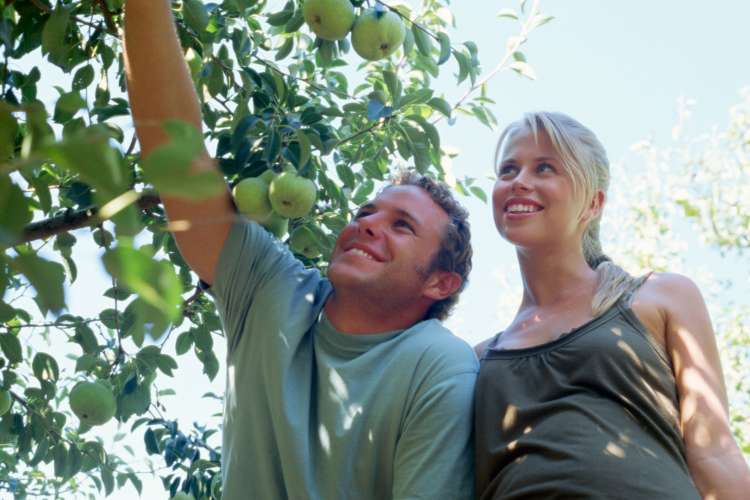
<point>714,459</point>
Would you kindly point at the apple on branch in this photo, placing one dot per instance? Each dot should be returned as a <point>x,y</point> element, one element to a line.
<point>329,19</point>
<point>291,195</point>
<point>377,33</point>
<point>93,403</point>
<point>303,242</point>
<point>251,197</point>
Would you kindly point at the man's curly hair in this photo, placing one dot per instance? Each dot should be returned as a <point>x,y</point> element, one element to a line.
<point>454,254</point>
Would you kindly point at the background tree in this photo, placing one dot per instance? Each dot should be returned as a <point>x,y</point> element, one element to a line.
<point>273,97</point>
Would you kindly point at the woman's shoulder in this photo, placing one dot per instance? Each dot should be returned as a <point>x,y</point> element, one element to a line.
<point>662,289</point>
<point>660,298</point>
<point>482,347</point>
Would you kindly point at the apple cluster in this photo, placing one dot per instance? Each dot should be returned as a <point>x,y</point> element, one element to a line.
<point>376,32</point>
<point>272,199</point>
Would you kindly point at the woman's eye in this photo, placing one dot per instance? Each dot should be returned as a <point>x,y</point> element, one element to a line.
<point>545,167</point>
<point>506,170</point>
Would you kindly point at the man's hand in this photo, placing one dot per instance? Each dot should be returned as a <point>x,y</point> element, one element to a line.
<point>160,89</point>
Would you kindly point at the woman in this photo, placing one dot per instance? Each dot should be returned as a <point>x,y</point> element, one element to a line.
<point>604,384</point>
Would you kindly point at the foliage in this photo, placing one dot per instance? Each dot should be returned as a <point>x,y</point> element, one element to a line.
<point>690,212</point>
<point>272,97</point>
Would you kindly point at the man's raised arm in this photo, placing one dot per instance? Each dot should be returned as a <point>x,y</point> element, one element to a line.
<point>160,89</point>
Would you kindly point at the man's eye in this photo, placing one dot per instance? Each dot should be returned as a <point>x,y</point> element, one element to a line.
<point>402,223</point>
<point>361,213</point>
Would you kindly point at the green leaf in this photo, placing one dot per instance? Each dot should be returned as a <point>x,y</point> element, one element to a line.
<point>107,479</point>
<point>393,84</point>
<point>8,132</point>
<point>422,39</point>
<point>169,166</point>
<point>136,402</point>
<point>416,97</point>
<point>184,342</point>
<point>11,347</point>
<point>285,49</point>
<point>60,456</point>
<point>67,106</point>
<point>90,155</point>
<point>15,211</point>
<point>74,461</point>
<point>203,339</point>
<point>152,444</point>
<point>83,77</point>
<point>155,282</point>
<point>295,23</point>
<point>282,17</point>
<point>464,65</point>
<point>304,148</point>
<point>53,35</point>
<point>45,367</point>
<point>47,279</point>
<point>166,364</point>
<point>86,338</point>
<point>445,48</point>
<point>441,105</point>
<point>509,13</point>
<point>210,363</point>
<point>195,15</point>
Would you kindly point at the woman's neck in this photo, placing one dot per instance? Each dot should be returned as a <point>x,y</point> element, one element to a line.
<point>555,277</point>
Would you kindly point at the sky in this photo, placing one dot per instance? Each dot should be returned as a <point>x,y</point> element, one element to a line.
<point>618,67</point>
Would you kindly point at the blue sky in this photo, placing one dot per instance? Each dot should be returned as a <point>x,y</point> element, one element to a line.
<point>619,67</point>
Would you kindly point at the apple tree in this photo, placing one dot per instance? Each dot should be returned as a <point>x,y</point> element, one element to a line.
<point>278,101</point>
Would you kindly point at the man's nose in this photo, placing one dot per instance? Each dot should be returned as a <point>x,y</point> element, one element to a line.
<point>370,224</point>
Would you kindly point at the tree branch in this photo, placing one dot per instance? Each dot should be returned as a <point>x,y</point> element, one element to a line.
<point>75,220</point>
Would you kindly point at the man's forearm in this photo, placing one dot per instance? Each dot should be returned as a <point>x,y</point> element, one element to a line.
<point>159,82</point>
<point>160,89</point>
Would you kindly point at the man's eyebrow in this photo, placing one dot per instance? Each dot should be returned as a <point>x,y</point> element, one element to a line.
<point>406,215</point>
<point>366,206</point>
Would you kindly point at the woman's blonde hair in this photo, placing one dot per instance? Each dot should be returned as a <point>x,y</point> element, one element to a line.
<point>585,161</point>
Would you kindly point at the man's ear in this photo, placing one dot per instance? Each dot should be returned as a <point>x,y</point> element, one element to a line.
<point>441,285</point>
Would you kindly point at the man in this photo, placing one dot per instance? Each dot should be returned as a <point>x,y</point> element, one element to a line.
<point>337,388</point>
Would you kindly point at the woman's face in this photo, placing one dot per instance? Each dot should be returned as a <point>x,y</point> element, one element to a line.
<point>533,200</point>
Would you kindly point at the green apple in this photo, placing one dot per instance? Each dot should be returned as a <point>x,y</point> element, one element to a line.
<point>92,402</point>
<point>303,242</point>
<point>377,34</point>
<point>5,401</point>
<point>292,196</point>
<point>267,176</point>
<point>251,198</point>
<point>329,19</point>
<point>277,225</point>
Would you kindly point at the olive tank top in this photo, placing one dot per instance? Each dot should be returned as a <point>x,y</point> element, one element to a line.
<point>592,414</point>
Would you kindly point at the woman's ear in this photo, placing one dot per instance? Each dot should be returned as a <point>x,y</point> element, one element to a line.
<point>595,207</point>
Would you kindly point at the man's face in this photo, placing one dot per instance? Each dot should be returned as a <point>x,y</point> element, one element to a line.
<point>387,248</point>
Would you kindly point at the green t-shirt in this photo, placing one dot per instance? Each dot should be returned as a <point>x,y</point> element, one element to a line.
<point>313,413</point>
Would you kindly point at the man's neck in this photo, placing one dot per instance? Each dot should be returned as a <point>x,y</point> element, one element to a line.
<point>353,314</point>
